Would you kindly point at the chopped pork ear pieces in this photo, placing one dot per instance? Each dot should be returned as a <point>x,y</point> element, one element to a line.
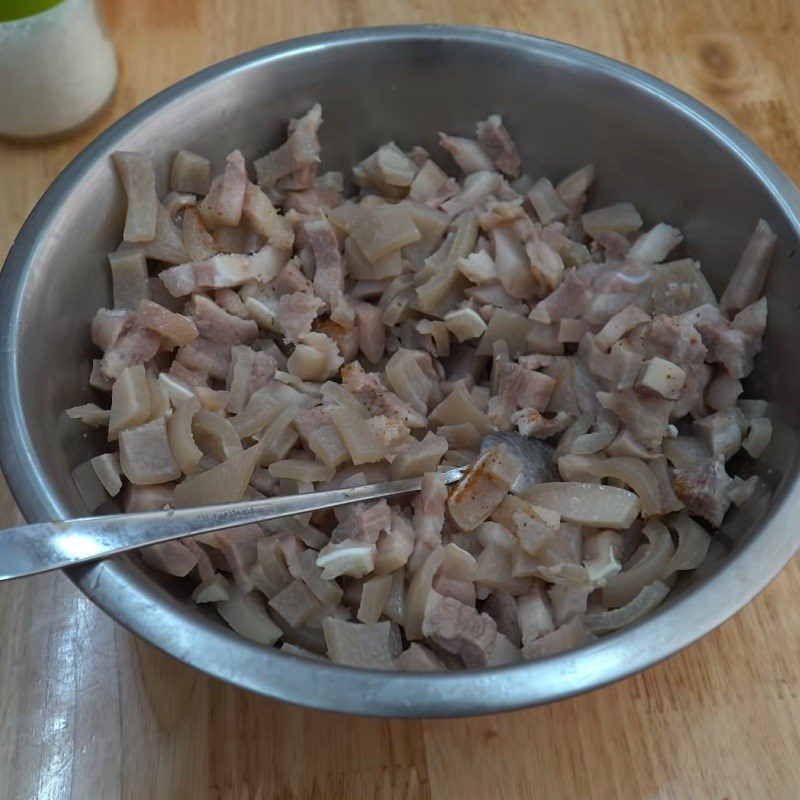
<point>268,333</point>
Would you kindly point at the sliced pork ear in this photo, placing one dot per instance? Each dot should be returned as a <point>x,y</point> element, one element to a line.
<point>181,441</point>
<point>483,488</point>
<point>357,645</point>
<point>619,218</point>
<point>198,242</point>
<point>750,274</point>
<point>467,153</point>
<point>315,358</point>
<point>573,188</point>
<point>136,346</point>
<point>108,326</point>
<point>145,456</point>
<point>413,376</point>
<point>223,203</point>
<point>299,152</point>
<point>394,546</point>
<point>420,457</point>
<point>264,218</point>
<point>496,142</point>
<point>546,202</point>
<point>174,329</point>
<point>224,483</point>
<point>645,417</point>
<point>190,173</point>
<point>428,521</point>
<point>534,614</point>
<point>174,558</point>
<point>459,629</point>
<point>704,489</point>
<point>245,613</point>
<point>177,203</point>
<point>139,181</point>
<point>90,414</point>
<point>519,388</point>
<point>216,325</point>
<point>367,387</point>
<point>235,269</point>
<point>359,439</point>
<point>329,272</point>
<point>418,658</point>
<point>429,183</point>
<point>130,401</point>
<point>167,244</point>
<point>128,278</point>
<point>567,637</point>
<point>295,603</point>
<point>296,313</point>
<point>371,332</point>
<point>727,344</point>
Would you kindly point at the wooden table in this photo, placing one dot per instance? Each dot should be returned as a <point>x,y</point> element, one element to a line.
<point>87,711</point>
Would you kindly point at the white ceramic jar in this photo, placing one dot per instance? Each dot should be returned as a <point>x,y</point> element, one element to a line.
<point>57,69</point>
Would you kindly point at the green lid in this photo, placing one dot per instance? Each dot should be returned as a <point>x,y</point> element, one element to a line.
<point>17,9</point>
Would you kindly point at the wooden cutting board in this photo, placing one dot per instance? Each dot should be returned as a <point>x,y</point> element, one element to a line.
<point>87,711</point>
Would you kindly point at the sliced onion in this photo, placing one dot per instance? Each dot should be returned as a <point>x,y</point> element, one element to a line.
<point>587,503</point>
<point>579,468</point>
<point>636,474</point>
<point>693,544</point>
<point>578,428</point>
<point>606,427</point>
<point>644,602</point>
<point>622,588</point>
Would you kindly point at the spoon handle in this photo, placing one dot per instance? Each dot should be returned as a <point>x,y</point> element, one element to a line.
<point>30,549</point>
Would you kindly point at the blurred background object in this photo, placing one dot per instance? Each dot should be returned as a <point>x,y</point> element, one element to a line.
<point>57,64</point>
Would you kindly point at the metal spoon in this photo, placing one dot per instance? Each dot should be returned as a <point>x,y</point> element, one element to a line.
<point>31,549</point>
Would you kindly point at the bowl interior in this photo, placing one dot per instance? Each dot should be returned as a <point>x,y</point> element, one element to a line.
<point>563,108</point>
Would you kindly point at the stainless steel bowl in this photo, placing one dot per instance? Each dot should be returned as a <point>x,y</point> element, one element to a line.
<point>653,145</point>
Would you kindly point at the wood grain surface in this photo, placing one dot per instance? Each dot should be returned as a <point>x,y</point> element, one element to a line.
<point>87,711</point>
